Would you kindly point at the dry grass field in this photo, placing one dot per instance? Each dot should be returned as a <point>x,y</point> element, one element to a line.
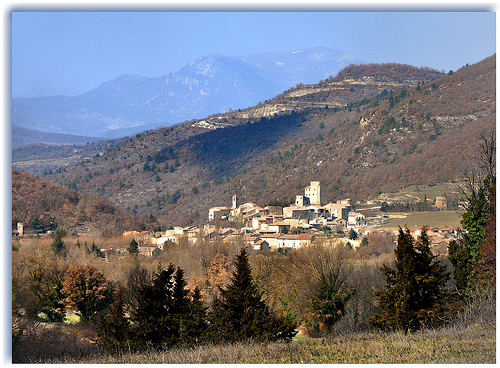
<point>474,344</point>
<point>470,338</point>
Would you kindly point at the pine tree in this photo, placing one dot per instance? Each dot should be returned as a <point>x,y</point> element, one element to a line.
<point>180,305</point>
<point>58,245</point>
<point>113,330</point>
<point>152,317</point>
<point>163,314</point>
<point>241,314</point>
<point>133,247</point>
<point>414,296</point>
<point>193,326</point>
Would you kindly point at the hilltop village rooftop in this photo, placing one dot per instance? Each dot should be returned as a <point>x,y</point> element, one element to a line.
<point>277,228</point>
<point>273,228</point>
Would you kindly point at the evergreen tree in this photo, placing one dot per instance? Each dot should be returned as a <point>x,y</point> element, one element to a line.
<point>414,296</point>
<point>165,315</point>
<point>330,302</point>
<point>94,249</point>
<point>113,330</point>
<point>241,314</point>
<point>180,300</point>
<point>193,327</point>
<point>58,245</point>
<point>485,267</point>
<point>152,317</point>
<point>133,247</point>
<point>46,286</point>
<point>479,207</point>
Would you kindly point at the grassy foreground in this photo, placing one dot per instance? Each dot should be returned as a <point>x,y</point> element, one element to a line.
<point>475,344</point>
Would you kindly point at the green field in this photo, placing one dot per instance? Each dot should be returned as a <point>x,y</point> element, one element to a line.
<point>413,220</point>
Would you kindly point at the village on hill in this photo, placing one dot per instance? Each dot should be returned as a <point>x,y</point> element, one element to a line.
<point>276,228</point>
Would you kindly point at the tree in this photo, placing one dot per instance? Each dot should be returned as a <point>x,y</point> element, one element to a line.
<point>113,330</point>
<point>353,235</point>
<point>94,249</point>
<point>46,284</point>
<point>162,311</point>
<point>152,317</point>
<point>193,326</point>
<point>87,291</point>
<point>240,314</point>
<point>328,269</point>
<point>137,277</point>
<point>133,247</point>
<point>364,241</point>
<point>485,267</point>
<point>58,244</point>
<point>479,207</point>
<point>414,295</point>
<point>330,301</point>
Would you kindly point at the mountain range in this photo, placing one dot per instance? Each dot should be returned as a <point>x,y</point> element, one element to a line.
<point>371,129</point>
<point>208,85</point>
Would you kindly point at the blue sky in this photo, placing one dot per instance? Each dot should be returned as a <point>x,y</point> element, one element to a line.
<point>72,52</point>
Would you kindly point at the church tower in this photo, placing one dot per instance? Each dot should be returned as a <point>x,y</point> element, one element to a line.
<point>235,202</point>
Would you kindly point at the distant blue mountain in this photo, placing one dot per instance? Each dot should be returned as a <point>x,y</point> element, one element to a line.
<point>208,85</point>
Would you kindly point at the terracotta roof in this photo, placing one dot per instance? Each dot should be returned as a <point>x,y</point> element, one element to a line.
<point>275,235</point>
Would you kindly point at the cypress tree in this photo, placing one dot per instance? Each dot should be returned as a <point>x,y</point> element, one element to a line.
<point>414,296</point>
<point>241,314</point>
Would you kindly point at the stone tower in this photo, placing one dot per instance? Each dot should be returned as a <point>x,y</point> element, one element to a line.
<point>313,192</point>
<point>235,202</point>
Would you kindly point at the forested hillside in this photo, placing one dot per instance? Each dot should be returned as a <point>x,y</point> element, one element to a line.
<point>371,129</point>
<point>42,206</point>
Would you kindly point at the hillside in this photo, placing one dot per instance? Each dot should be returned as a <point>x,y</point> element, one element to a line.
<point>210,84</point>
<point>372,128</point>
<point>37,158</point>
<point>23,136</point>
<point>41,205</point>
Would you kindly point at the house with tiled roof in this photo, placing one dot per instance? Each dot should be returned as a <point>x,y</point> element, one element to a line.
<point>296,212</point>
<point>271,240</point>
<point>218,213</point>
<point>149,251</point>
<point>338,210</point>
<point>295,241</point>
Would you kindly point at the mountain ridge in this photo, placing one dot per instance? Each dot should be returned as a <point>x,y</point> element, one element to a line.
<point>370,129</point>
<point>129,104</point>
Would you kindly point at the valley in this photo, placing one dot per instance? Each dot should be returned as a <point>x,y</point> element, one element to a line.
<point>379,141</point>
<point>315,185</point>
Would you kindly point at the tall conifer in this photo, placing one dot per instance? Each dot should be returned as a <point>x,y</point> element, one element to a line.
<point>241,314</point>
<point>153,316</point>
<point>414,296</point>
<point>113,331</point>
